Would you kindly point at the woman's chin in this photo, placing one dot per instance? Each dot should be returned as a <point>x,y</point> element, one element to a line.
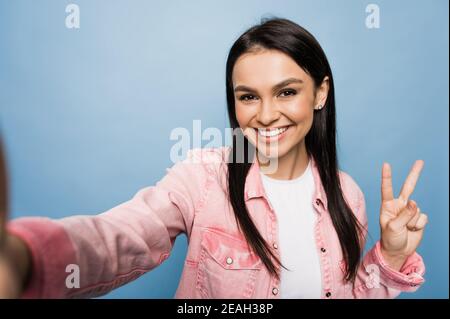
<point>271,153</point>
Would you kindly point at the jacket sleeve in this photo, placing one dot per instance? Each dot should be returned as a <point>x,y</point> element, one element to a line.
<point>112,248</point>
<point>376,279</point>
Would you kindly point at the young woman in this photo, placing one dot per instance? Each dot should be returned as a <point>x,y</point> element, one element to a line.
<point>255,230</point>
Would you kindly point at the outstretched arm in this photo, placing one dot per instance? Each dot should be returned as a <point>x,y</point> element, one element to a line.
<point>109,249</point>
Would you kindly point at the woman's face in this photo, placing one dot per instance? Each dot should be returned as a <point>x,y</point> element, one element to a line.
<point>275,101</point>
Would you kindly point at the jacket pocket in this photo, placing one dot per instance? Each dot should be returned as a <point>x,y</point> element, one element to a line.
<point>227,267</point>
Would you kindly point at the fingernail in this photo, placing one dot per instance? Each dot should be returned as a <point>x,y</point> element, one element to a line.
<point>411,205</point>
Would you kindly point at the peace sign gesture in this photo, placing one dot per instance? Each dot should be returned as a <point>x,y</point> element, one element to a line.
<point>402,223</point>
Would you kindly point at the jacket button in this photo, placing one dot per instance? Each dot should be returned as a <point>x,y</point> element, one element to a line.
<point>328,294</point>
<point>275,291</point>
<point>323,250</point>
<point>229,260</point>
<point>275,245</point>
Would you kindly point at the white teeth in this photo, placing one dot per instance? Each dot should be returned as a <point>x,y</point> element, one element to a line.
<point>271,132</point>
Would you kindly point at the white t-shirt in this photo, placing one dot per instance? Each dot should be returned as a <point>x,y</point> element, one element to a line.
<point>292,202</point>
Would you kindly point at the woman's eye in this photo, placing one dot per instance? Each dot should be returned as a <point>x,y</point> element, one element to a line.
<point>287,93</point>
<point>247,97</point>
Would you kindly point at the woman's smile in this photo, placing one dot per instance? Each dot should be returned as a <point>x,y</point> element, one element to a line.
<point>274,134</point>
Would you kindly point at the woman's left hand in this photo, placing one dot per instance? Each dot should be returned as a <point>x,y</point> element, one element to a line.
<point>402,223</point>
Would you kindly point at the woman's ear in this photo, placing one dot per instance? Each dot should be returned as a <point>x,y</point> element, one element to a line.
<point>322,94</point>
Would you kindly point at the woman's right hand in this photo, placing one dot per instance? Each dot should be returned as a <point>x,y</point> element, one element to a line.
<point>10,282</point>
<point>14,256</point>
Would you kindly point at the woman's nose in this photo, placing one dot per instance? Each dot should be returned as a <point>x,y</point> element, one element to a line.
<point>267,113</point>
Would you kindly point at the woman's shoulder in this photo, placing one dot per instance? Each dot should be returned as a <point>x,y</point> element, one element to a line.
<point>199,171</point>
<point>201,163</point>
<point>351,189</point>
<point>208,156</point>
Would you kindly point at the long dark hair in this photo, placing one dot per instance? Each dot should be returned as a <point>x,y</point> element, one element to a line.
<point>293,40</point>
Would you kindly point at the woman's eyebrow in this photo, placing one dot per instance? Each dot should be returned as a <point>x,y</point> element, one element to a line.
<point>275,88</point>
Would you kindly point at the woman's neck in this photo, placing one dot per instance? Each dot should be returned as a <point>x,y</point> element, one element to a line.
<point>289,166</point>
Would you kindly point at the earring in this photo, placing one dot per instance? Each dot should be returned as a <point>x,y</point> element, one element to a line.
<point>319,107</point>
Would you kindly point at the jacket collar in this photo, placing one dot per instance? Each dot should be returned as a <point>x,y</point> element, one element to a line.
<point>254,187</point>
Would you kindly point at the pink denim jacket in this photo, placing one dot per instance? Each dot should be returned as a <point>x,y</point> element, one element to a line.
<point>126,241</point>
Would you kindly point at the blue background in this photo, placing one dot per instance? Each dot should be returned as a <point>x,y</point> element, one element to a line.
<point>86,114</point>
